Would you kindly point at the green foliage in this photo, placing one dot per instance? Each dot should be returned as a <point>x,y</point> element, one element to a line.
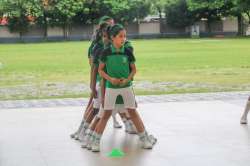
<point>178,14</point>
<point>17,12</point>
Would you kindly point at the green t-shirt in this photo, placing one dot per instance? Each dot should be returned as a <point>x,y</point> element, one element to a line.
<point>117,64</point>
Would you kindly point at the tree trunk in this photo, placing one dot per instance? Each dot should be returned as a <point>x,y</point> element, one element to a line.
<point>66,30</point>
<point>20,35</point>
<point>248,14</point>
<point>209,25</point>
<point>45,27</point>
<point>240,25</point>
<point>160,19</point>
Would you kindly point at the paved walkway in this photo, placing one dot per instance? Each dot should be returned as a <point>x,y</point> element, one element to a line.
<point>190,132</point>
<point>141,99</point>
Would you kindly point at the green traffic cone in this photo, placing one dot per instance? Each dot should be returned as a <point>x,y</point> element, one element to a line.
<point>116,153</point>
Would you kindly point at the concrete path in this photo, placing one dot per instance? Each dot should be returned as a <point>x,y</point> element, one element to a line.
<point>190,132</point>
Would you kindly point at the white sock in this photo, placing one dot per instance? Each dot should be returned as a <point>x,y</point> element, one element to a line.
<point>89,134</point>
<point>126,123</point>
<point>98,137</point>
<point>114,118</point>
<point>80,127</point>
<point>142,135</point>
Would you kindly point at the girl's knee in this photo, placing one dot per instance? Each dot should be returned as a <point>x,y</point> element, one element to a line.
<point>132,112</point>
<point>107,114</point>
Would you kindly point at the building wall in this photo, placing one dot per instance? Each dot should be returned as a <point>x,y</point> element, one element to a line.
<point>149,28</point>
<point>132,28</point>
<point>55,31</point>
<point>5,33</point>
<point>34,31</point>
<point>144,29</point>
<point>81,30</point>
<point>230,25</point>
<point>169,29</point>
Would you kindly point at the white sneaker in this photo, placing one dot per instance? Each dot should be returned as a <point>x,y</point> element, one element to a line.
<point>152,139</point>
<point>95,146</point>
<point>84,144</point>
<point>146,144</point>
<point>73,135</point>
<point>117,125</point>
<point>89,146</point>
<point>87,142</point>
<point>82,135</point>
<point>243,121</point>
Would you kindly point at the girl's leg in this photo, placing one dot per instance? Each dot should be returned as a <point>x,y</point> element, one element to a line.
<point>116,124</point>
<point>87,140</point>
<point>146,144</point>
<point>99,130</point>
<point>129,125</point>
<point>88,110</point>
<point>244,116</point>
<point>88,121</point>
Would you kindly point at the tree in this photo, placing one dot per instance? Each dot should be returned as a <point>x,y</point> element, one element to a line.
<point>159,6</point>
<point>121,10</point>
<point>17,12</point>
<point>212,10</point>
<point>178,15</point>
<point>241,8</point>
<point>63,13</point>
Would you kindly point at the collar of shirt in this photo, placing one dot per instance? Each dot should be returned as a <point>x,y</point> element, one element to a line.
<point>116,51</point>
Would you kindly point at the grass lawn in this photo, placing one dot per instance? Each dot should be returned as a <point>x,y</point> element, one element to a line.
<point>56,70</point>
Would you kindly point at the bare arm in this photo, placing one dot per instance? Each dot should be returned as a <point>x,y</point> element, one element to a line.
<point>103,82</point>
<point>93,79</point>
<point>131,75</point>
<point>102,73</point>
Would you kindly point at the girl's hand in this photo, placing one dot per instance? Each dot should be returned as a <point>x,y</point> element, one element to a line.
<point>94,93</point>
<point>123,81</point>
<point>102,102</point>
<point>115,81</point>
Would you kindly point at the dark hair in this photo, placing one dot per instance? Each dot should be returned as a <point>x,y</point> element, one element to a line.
<point>114,30</point>
<point>101,29</point>
<point>104,19</point>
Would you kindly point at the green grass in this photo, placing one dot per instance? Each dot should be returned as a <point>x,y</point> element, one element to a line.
<point>218,64</point>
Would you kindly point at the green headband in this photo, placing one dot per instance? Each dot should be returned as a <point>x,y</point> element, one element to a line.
<point>115,29</point>
<point>104,19</point>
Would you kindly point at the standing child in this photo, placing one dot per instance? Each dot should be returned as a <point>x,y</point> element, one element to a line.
<point>95,38</point>
<point>118,68</point>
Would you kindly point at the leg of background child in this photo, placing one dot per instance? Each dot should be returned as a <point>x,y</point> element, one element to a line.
<point>244,116</point>
<point>89,119</point>
<point>129,126</point>
<point>88,138</point>
<point>91,132</point>
<point>99,130</point>
<point>87,111</point>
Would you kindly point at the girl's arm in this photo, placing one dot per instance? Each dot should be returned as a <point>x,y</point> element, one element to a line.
<point>93,80</point>
<point>102,73</point>
<point>103,82</point>
<point>131,75</point>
